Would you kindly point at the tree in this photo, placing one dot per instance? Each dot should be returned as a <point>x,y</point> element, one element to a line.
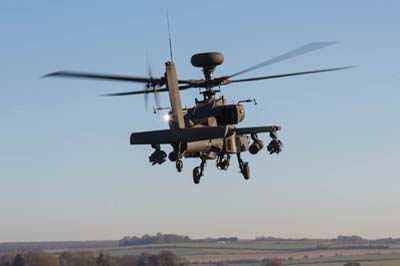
<point>65,259</point>
<point>104,260</point>
<point>274,262</point>
<point>77,259</point>
<point>352,264</point>
<point>6,260</point>
<point>18,261</point>
<point>167,258</point>
<point>40,259</point>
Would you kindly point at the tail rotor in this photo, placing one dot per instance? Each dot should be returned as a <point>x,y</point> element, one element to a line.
<point>151,86</point>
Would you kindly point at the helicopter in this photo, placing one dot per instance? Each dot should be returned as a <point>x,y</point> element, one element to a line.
<point>207,130</point>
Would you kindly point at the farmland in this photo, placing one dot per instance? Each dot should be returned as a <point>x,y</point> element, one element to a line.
<point>243,254</point>
<point>205,252</point>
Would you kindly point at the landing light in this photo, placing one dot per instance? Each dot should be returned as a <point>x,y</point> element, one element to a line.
<point>166,117</point>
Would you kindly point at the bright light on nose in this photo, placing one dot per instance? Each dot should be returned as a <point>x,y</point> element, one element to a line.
<point>166,117</point>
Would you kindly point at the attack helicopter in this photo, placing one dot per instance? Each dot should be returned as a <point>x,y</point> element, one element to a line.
<point>207,130</point>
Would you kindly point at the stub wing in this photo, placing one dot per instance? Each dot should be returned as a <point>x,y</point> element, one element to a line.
<point>255,130</point>
<point>185,135</point>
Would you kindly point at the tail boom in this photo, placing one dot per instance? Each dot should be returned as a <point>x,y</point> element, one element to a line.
<point>177,120</point>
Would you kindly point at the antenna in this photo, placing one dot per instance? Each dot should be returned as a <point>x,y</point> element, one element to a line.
<point>169,38</point>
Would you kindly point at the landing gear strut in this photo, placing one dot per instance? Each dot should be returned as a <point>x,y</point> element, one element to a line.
<point>244,167</point>
<point>175,156</point>
<point>223,162</point>
<point>198,172</point>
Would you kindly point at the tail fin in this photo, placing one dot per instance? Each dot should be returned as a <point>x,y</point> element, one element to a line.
<point>177,120</point>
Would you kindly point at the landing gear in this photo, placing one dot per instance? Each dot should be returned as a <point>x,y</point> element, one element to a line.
<point>223,162</point>
<point>198,172</point>
<point>179,165</point>
<point>196,175</point>
<point>244,167</point>
<point>246,171</point>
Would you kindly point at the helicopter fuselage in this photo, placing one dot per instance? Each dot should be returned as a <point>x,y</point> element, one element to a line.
<point>213,113</point>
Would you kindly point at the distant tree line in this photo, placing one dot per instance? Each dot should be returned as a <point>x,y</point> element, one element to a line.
<point>341,238</point>
<point>10,247</point>
<point>164,258</point>
<point>215,240</point>
<point>353,238</point>
<point>168,239</point>
<point>156,239</point>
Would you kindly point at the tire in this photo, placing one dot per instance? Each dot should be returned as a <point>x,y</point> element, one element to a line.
<point>246,171</point>
<point>196,175</point>
<point>179,165</point>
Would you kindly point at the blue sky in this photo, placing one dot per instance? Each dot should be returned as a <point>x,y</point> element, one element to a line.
<point>67,170</point>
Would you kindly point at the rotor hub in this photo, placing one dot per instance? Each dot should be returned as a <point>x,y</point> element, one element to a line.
<point>208,61</point>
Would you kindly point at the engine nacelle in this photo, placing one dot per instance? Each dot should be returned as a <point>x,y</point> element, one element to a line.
<point>257,146</point>
<point>173,156</point>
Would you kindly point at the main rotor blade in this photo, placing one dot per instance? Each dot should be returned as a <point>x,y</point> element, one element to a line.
<point>292,74</point>
<point>296,52</point>
<point>86,75</point>
<point>156,97</point>
<point>134,92</point>
<point>144,91</point>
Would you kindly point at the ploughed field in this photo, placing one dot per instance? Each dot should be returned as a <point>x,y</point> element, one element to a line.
<point>297,252</point>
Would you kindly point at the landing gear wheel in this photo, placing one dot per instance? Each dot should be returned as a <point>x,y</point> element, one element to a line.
<point>244,167</point>
<point>246,171</point>
<point>179,165</point>
<point>196,175</point>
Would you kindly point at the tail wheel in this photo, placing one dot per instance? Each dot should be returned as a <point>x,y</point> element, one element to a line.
<point>196,175</point>
<point>179,165</point>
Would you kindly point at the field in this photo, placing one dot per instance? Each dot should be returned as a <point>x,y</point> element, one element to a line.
<point>291,252</point>
<point>247,256</point>
<point>300,252</point>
